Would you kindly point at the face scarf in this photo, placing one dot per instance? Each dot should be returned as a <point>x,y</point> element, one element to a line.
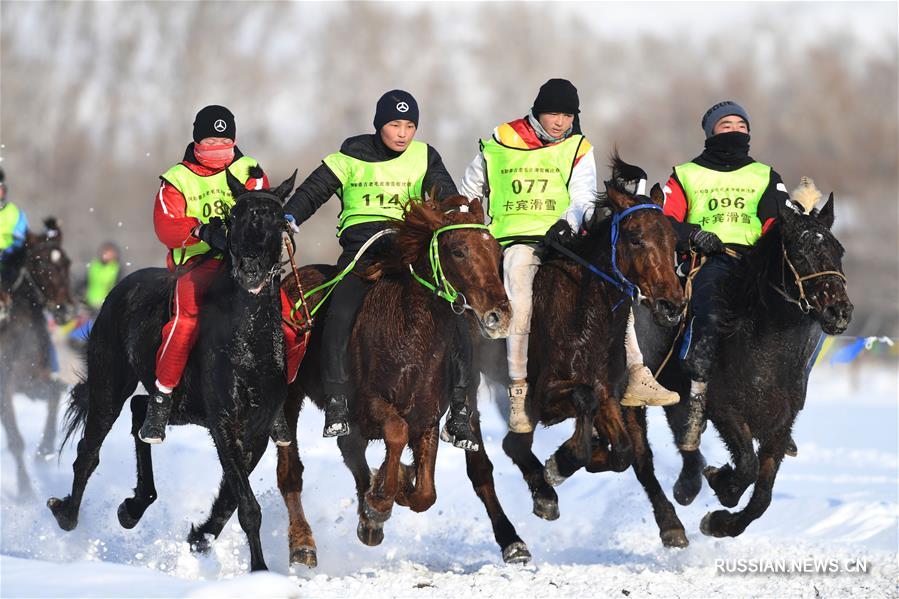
<point>543,134</point>
<point>728,149</point>
<point>214,157</point>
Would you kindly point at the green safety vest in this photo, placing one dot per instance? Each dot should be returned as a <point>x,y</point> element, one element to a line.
<point>101,278</point>
<point>9,216</point>
<point>373,191</point>
<point>725,203</point>
<point>528,187</point>
<point>206,197</point>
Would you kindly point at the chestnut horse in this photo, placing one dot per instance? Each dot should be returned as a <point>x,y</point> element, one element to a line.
<point>576,356</point>
<point>399,354</point>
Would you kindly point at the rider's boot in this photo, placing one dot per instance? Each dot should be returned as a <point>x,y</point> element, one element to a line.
<point>457,429</point>
<point>689,438</point>
<point>158,409</point>
<point>644,390</point>
<point>519,421</point>
<point>337,416</point>
<point>280,433</point>
<point>791,450</point>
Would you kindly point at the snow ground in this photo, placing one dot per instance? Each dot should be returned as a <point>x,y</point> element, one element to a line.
<point>837,500</point>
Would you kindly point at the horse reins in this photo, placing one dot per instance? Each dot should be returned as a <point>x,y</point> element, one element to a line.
<point>802,302</point>
<point>306,325</point>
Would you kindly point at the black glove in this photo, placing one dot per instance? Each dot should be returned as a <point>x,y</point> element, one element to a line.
<point>706,242</point>
<point>214,234</point>
<point>561,233</point>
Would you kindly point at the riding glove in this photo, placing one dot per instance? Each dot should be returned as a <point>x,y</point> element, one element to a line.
<point>706,242</point>
<point>213,233</point>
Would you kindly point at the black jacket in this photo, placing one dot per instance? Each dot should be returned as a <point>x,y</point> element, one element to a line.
<point>322,183</point>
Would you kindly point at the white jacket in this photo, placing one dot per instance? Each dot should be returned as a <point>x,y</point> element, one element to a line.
<point>581,187</point>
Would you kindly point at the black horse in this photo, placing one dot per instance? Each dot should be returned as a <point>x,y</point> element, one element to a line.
<point>234,382</point>
<point>787,289</point>
<point>41,283</point>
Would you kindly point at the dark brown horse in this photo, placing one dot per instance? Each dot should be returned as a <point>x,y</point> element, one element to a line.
<point>399,354</point>
<point>576,357</point>
<point>42,283</point>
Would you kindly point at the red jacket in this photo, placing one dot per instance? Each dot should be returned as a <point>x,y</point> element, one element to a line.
<point>173,227</point>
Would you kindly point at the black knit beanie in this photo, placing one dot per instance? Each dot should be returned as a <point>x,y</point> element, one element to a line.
<point>395,105</point>
<point>557,95</point>
<point>214,121</point>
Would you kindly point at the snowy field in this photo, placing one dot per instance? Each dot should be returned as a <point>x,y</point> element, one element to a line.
<point>836,501</point>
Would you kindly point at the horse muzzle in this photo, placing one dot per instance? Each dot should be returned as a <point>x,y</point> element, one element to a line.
<point>666,313</point>
<point>63,313</point>
<point>495,322</point>
<point>835,318</point>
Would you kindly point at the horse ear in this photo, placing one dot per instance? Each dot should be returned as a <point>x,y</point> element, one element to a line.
<point>826,213</point>
<point>237,188</point>
<point>477,208</point>
<point>619,199</point>
<point>656,195</point>
<point>283,190</point>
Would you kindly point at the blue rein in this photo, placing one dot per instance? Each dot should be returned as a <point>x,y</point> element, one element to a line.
<point>617,279</point>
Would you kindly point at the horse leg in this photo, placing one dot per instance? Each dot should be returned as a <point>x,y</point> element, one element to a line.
<point>480,473</point>
<point>379,499</point>
<point>671,530</point>
<point>730,483</point>
<point>352,448</point>
<point>689,480</point>
<point>48,439</point>
<point>100,419</point>
<point>424,452</point>
<point>610,424</point>
<point>132,509</point>
<point>574,453</point>
<point>14,439</point>
<point>236,464</point>
<point>722,523</point>
<point>518,447</point>
<point>290,483</point>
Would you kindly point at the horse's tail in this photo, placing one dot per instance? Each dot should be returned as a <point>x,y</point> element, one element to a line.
<point>76,412</point>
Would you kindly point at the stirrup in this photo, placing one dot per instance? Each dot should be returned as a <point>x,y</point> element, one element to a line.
<point>457,430</point>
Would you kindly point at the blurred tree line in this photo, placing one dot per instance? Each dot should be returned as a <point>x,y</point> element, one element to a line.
<point>97,99</point>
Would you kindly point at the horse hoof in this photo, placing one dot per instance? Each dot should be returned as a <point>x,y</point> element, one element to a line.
<point>370,535</point>
<point>373,514</point>
<point>59,509</point>
<point>551,472</point>
<point>304,556</point>
<point>686,489</point>
<point>548,509</point>
<point>125,518</point>
<point>675,537</point>
<point>198,541</point>
<point>516,553</point>
<point>713,529</point>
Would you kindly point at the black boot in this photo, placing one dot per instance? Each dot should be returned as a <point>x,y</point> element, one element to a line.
<point>280,433</point>
<point>337,416</point>
<point>688,440</point>
<point>158,409</point>
<point>457,429</point>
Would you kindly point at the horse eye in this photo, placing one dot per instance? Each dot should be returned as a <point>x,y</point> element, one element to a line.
<point>457,253</point>
<point>636,242</point>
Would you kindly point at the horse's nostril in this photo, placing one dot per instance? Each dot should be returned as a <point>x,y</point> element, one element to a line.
<point>491,320</point>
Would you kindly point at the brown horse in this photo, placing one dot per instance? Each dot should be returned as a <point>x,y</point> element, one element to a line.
<point>576,358</point>
<point>42,283</point>
<point>399,354</point>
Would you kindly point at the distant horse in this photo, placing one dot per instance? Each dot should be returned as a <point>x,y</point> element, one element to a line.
<point>786,289</point>
<point>399,353</point>
<point>42,284</point>
<point>234,382</point>
<point>576,356</point>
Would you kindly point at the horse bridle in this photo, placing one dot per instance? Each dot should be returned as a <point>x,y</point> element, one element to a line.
<point>798,279</point>
<point>442,287</point>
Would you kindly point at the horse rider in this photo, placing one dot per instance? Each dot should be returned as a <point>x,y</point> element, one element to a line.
<point>103,272</point>
<point>374,175</point>
<point>720,203</point>
<point>539,175</point>
<point>13,229</point>
<point>192,200</point>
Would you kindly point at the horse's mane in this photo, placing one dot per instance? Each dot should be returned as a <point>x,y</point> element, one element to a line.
<point>744,290</point>
<point>413,234</point>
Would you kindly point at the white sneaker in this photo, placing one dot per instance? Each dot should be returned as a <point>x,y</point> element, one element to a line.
<point>644,390</point>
